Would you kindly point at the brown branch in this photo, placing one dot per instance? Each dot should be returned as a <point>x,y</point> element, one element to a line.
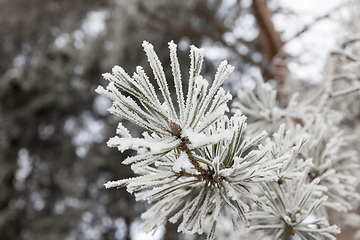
<point>183,146</point>
<point>270,39</point>
<point>204,175</point>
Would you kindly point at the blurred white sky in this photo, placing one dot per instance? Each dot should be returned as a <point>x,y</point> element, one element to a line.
<point>314,45</point>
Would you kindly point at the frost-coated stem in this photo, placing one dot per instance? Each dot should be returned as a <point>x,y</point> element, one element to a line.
<point>175,66</point>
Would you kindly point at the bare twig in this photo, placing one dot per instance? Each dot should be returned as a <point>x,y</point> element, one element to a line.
<point>347,55</point>
<point>350,41</point>
<point>345,91</point>
<point>344,76</point>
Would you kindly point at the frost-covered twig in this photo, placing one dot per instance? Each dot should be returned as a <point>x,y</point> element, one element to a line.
<point>345,91</point>
<point>192,164</point>
<point>262,107</point>
<point>291,209</point>
<point>197,165</point>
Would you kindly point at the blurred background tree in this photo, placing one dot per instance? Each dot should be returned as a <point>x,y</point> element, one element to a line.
<point>54,127</point>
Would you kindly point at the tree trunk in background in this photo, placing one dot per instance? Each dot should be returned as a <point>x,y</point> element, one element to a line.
<point>270,41</point>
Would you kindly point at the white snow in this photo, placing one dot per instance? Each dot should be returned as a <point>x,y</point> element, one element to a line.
<point>183,163</point>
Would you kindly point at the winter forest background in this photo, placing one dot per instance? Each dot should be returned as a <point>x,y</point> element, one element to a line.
<point>54,160</point>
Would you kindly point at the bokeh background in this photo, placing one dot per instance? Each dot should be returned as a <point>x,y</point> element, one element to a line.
<point>54,127</point>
